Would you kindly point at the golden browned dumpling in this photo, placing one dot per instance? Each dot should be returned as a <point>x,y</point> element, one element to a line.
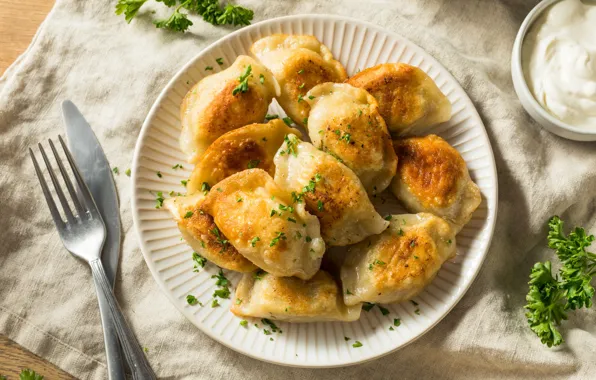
<point>298,63</point>
<point>433,177</point>
<point>399,263</point>
<point>230,99</point>
<point>409,100</point>
<point>291,299</point>
<point>252,146</point>
<point>344,121</point>
<point>259,219</point>
<point>330,190</point>
<point>201,233</point>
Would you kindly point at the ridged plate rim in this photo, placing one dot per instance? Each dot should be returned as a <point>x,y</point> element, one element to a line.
<point>491,207</point>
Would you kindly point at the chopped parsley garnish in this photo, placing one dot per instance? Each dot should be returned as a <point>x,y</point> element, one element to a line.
<point>391,328</point>
<point>388,217</point>
<point>244,323</point>
<point>288,121</point>
<point>291,143</point>
<point>412,243</point>
<point>271,117</point>
<point>346,137</point>
<point>280,236</point>
<point>300,71</point>
<point>222,293</point>
<point>214,303</point>
<point>127,172</point>
<point>191,300</point>
<point>207,68</point>
<point>258,275</point>
<point>188,214</point>
<point>298,235</point>
<point>396,322</point>
<point>346,338</point>
<point>205,188</point>
<point>414,302</point>
<point>199,260</point>
<point>239,200</point>
<point>300,98</point>
<point>311,97</point>
<point>302,86</point>
<point>379,262</point>
<point>218,236</point>
<point>417,311</point>
<point>238,301</point>
<point>286,208</point>
<point>359,112</point>
<point>253,164</point>
<point>273,213</point>
<point>320,205</point>
<point>159,174</point>
<point>308,239</point>
<point>184,182</point>
<point>357,344</point>
<point>219,61</point>
<point>449,241</point>
<point>272,325</point>
<point>367,306</point>
<point>292,220</point>
<point>177,166</point>
<point>384,311</point>
<point>222,281</point>
<point>159,200</point>
<point>261,78</point>
<point>243,79</point>
<point>348,292</point>
<point>305,121</point>
<point>116,170</point>
<point>400,232</point>
<point>254,241</point>
<point>266,332</point>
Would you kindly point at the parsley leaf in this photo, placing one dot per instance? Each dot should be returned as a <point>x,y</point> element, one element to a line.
<point>243,79</point>
<point>28,374</point>
<point>191,300</point>
<point>271,117</point>
<point>235,15</point>
<point>129,8</point>
<point>276,239</point>
<point>199,260</point>
<point>357,344</point>
<point>177,22</point>
<point>253,164</point>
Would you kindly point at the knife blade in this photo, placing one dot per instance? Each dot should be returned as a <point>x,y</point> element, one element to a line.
<point>97,174</point>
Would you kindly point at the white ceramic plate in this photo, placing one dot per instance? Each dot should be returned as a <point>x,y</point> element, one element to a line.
<point>357,45</point>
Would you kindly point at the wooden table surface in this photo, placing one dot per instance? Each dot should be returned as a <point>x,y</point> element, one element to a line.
<point>18,22</point>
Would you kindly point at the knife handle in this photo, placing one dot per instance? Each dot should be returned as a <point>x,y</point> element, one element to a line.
<point>110,338</point>
<point>134,355</point>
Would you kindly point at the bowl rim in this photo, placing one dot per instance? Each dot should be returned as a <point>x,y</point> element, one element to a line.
<point>519,77</point>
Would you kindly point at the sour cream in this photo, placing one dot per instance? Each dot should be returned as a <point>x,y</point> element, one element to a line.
<point>559,61</point>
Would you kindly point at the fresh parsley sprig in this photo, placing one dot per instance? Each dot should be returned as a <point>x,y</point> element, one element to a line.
<point>178,21</point>
<point>550,297</point>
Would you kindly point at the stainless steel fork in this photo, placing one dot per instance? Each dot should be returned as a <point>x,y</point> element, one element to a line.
<point>83,235</point>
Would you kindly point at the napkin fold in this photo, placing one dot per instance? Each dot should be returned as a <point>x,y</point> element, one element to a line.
<point>114,71</point>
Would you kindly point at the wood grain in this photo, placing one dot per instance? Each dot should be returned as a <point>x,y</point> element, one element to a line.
<point>19,21</point>
<point>14,358</point>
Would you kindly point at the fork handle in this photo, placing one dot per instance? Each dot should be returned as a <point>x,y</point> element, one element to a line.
<point>110,338</point>
<point>136,359</point>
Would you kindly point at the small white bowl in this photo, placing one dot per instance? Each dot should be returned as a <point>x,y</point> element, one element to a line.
<point>526,97</point>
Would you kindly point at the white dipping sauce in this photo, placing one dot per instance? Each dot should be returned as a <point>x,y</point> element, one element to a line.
<point>559,62</point>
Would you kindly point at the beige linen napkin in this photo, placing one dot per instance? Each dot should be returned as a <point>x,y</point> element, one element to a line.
<point>114,72</point>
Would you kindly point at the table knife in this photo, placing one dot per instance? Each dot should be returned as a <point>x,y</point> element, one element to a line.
<point>96,172</point>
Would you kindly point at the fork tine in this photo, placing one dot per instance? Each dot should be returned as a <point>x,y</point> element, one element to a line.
<point>67,180</point>
<point>86,194</point>
<point>67,211</point>
<point>46,192</point>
